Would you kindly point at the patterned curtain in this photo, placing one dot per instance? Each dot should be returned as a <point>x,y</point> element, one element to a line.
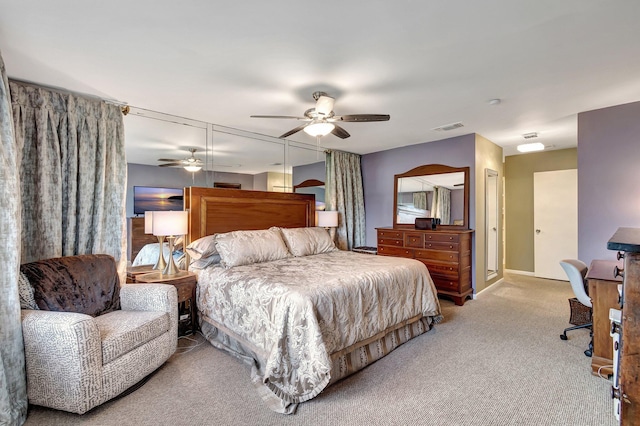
<point>441,206</point>
<point>72,174</point>
<point>420,200</point>
<point>13,387</point>
<point>344,193</point>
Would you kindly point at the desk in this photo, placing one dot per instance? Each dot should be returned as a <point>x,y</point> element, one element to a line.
<point>603,291</point>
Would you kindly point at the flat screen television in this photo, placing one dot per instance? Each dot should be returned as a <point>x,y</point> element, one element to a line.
<point>149,198</point>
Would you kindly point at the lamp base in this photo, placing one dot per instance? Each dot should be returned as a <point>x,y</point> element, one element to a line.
<point>160,264</point>
<point>171,269</point>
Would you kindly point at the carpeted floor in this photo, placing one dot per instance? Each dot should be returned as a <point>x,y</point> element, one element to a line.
<point>498,360</point>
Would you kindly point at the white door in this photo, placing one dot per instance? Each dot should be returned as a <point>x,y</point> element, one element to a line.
<point>555,218</point>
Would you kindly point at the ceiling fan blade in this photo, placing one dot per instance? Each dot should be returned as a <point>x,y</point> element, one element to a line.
<point>168,160</point>
<point>169,164</point>
<point>279,116</point>
<point>292,131</point>
<point>324,105</point>
<point>364,117</point>
<point>340,132</point>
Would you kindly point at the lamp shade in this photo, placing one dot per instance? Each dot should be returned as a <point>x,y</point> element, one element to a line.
<point>321,128</point>
<point>170,223</point>
<point>148,222</point>
<point>327,219</point>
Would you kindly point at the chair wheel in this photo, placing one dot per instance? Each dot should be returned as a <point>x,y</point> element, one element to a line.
<point>563,336</point>
<point>588,353</point>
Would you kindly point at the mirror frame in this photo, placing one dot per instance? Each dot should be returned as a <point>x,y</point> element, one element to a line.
<point>489,173</point>
<point>432,169</point>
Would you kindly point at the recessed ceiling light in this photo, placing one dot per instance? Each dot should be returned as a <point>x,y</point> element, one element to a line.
<point>530,147</point>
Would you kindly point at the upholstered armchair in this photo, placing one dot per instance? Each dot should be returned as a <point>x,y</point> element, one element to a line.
<point>86,338</point>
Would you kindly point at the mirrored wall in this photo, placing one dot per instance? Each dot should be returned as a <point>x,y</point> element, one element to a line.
<point>158,144</point>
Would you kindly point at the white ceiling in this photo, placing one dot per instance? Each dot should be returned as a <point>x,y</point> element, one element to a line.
<point>426,63</point>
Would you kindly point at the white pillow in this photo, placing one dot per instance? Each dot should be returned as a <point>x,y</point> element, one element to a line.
<point>245,247</point>
<point>306,241</point>
<point>203,262</point>
<point>202,247</point>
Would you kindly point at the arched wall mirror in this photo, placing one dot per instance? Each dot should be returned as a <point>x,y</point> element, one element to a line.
<point>432,190</point>
<point>491,223</point>
<point>312,186</point>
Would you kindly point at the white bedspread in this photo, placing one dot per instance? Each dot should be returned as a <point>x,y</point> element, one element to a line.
<point>294,313</point>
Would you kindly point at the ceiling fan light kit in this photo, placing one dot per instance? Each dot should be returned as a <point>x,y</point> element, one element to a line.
<point>321,128</point>
<point>191,164</point>
<point>321,119</point>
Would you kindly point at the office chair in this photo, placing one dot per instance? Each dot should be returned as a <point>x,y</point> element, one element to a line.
<point>576,271</point>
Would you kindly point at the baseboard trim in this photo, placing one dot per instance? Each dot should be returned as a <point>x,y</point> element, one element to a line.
<point>514,271</point>
<point>475,295</point>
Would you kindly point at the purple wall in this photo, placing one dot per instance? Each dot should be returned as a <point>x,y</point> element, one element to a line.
<point>608,177</point>
<point>309,171</point>
<point>457,204</point>
<point>379,168</point>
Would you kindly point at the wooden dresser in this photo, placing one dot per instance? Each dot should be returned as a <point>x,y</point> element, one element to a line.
<point>627,242</point>
<point>446,253</point>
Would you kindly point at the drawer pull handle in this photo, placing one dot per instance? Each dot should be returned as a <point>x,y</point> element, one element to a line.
<point>451,238</point>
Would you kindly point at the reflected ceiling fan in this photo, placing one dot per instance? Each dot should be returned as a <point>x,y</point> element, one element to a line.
<point>321,120</point>
<point>191,164</point>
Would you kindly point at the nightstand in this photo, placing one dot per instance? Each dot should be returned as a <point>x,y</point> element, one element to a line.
<point>185,283</point>
<point>134,271</point>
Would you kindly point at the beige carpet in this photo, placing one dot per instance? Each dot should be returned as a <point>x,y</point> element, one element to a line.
<point>498,360</point>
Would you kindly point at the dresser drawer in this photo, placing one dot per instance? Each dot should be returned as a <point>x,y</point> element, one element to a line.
<point>447,256</point>
<point>441,268</point>
<point>394,251</point>
<point>389,242</point>
<point>413,240</point>
<point>436,245</point>
<point>445,283</point>
<point>390,233</point>
<point>442,237</point>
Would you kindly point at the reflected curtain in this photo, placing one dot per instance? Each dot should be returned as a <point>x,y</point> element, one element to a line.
<point>13,387</point>
<point>72,174</point>
<point>344,193</point>
<point>441,206</point>
<point>420,200</point>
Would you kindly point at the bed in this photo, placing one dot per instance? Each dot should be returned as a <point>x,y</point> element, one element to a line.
<point>275,292</point>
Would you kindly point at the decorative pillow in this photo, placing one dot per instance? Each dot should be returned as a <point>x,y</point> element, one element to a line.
<point>306,241</point>
<point>203,262</point>
<point>27,300</point>
<point>87,284</point>
<point>245,247</point>
<point>202,247</point>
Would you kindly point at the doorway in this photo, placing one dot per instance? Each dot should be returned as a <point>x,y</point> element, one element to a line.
<point>555,218</point>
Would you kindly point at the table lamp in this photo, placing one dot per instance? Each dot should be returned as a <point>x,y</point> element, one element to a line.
<point>326,219</point>
<point>148,229</point>
<point>170,224</point>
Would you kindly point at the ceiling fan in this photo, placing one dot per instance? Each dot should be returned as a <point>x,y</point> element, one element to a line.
<point>191,164</point>
<point>321,120</point>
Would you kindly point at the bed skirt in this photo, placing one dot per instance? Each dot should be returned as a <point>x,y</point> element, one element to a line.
<point>343,363</point>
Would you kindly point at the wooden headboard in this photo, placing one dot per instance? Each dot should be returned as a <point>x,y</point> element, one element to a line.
<point>216,210</point>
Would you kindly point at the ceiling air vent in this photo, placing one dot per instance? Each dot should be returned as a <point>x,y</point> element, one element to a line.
<point>447,127</point>
<point>530,135</point>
